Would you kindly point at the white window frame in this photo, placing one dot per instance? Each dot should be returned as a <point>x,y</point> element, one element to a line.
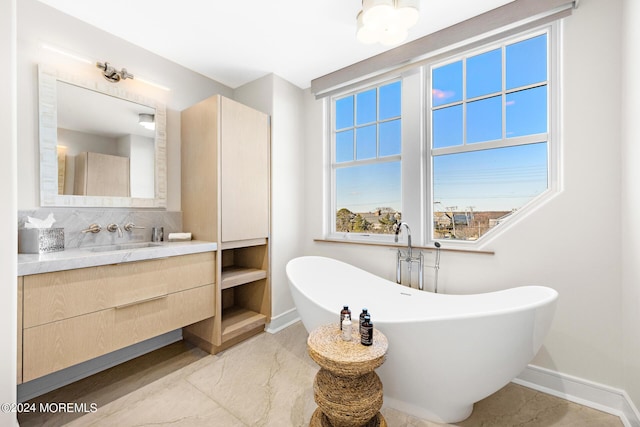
<point>330,226</point>
<point>551,137</point>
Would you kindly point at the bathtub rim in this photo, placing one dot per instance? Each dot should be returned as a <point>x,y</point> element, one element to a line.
<point>547,296</point>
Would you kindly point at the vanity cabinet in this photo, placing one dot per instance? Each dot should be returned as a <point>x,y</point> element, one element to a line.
<point>225,199</point>
<point>75,315</point>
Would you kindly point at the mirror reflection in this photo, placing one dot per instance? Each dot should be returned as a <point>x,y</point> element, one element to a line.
<point>105,145</point>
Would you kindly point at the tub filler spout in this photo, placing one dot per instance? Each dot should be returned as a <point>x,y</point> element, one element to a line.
<point>408,258</point>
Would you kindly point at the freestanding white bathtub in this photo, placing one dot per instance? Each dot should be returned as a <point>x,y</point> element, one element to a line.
<point>446,352</point>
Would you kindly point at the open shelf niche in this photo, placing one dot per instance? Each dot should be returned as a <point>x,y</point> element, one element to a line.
<point>245,289</point>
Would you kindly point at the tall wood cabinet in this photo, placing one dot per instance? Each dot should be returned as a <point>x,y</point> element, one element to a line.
<point>225,199</point>
<point>99,174</point>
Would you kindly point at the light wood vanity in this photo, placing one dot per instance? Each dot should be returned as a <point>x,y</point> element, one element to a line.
<point>225,199</point>
<point>219,296</point>
<point>71,316</point>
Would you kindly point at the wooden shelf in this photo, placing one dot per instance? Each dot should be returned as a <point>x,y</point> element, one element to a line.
<point>243,243</point>
<point>238,320</point>
<point>235,276</point>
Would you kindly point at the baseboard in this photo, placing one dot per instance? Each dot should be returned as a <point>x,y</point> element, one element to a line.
<point>581,391</point>
<point>283,321</point>
<point>47,383</point>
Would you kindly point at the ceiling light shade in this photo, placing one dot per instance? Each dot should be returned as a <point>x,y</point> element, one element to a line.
<point>386,21</point>
<point>407,12</point>
<point>377,12</point>
<point>147,121</point>
<point>366,34</point>
<point>393,35</point>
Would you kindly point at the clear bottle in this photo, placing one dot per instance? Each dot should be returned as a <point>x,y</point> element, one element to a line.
<point>345,311</point>
<point>364,313</point>
<point>346,328</point>
<point>366,337</point>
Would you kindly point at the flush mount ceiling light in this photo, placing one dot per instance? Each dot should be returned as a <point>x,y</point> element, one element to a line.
<point>147,121</point>
<point>386,21</point>
<point>111,74</point>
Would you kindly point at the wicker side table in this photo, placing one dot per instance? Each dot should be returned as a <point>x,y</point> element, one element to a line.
<point>347,389</point>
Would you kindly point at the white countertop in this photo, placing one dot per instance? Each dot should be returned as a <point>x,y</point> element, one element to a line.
<point>70,259</point>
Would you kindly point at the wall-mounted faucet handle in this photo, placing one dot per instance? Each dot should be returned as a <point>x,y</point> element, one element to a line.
<point>93,228</point>
<point>130,226</point>
<point>115,227</point>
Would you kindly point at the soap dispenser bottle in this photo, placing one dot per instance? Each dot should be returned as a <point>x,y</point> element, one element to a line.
<point>366,338</point>
<point>346,328</point>
<point>345,311</point>
<point>364,313</point>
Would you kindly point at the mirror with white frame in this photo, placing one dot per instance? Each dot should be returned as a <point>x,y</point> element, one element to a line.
<point>93,150</point>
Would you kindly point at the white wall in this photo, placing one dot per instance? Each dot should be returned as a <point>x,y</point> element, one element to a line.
<point>8,209</point>
<point>37,24</point>
<point>572,242</point>
<point>284,102</point>
<point>631,197</point>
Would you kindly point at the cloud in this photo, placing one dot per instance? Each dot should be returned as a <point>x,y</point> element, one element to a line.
<point>442,94</point>
<point>510,103</point>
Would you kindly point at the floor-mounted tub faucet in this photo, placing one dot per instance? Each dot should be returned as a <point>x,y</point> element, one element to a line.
<point>436,267</point>
<point>408,258</point>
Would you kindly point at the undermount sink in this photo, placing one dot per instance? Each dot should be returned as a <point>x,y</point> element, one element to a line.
<point>124,247</point>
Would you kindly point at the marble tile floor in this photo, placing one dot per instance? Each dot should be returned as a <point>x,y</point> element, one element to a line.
<point>264,381</point>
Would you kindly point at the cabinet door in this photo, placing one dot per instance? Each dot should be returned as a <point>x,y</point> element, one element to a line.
<point>245,172</point>
<point>101,175</point>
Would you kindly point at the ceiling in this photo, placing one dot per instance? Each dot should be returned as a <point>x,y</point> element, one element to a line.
<point>237,41</point>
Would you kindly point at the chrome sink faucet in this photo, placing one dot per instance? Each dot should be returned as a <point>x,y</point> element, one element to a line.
<point>130,226</point>
<point>115,227</point>
<point>93,228</point>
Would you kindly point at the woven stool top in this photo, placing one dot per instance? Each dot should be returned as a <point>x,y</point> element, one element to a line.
<point>327,348</point>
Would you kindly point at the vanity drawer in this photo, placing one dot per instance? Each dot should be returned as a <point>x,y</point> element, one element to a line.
<point>50,297</point>
<point>60,344</point>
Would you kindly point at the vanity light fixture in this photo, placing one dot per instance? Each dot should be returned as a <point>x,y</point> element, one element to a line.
<point>386,21</point>
<point>111,74</point>
<point>147,121</point>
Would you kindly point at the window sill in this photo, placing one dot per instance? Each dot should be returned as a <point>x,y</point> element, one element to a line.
<point>395,245</point>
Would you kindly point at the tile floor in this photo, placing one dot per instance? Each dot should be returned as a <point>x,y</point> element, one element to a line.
<point>264,381</point>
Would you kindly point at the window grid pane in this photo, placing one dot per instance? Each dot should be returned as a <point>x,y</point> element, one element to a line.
<point>367,191</point>
<point>504,96</point>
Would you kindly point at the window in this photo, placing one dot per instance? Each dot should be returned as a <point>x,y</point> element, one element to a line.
<point>366,160</point>
<point>455,147</point>
<point>489,136</point>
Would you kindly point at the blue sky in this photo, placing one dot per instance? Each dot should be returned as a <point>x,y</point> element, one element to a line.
<point>497,179</point>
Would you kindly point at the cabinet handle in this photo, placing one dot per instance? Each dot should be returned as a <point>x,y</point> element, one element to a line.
<point>142,301</point>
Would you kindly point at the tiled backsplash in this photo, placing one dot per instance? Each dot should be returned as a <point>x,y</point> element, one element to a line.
<point>74,220</point>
